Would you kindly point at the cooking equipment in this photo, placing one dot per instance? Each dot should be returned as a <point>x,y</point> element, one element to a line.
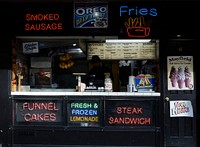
<point>41,72</point>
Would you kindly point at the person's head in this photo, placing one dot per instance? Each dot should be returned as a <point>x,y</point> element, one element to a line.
<point>96,61</point>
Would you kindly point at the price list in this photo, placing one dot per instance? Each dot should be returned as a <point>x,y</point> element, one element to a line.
<point>122,50</point>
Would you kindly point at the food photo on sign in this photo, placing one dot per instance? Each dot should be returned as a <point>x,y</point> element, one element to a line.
<point>180,73</point>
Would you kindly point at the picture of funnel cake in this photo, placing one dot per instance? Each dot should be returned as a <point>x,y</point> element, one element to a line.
<point>137,27</point>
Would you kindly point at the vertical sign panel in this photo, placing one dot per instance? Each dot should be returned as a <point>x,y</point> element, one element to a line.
<point>84,113</point>
<point>129,113</point>
<point>38,111</point>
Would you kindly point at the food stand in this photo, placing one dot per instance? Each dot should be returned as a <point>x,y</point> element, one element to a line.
<point>43,104</point>
<point>48,101</point>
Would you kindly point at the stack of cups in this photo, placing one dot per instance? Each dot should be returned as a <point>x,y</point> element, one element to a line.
<point>131,84</point>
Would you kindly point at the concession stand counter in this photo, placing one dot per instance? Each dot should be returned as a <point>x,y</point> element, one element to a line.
<point>87,118</point>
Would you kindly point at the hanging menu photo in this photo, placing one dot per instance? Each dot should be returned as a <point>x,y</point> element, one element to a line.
<point>84,113</point>
<point>120,51</point>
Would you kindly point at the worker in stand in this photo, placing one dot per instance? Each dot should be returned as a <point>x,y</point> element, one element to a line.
<point>96,75</point>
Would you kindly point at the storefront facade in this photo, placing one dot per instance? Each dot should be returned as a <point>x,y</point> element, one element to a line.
<point>164,117</point>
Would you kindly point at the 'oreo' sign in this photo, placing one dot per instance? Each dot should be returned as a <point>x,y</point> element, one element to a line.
<point>90,15</point>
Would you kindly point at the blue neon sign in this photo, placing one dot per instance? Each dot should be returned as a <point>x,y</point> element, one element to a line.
<point>136,11</point>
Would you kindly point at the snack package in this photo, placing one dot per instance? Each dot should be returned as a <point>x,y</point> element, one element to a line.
<point>145,82</point>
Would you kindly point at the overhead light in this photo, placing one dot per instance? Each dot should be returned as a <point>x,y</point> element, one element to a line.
<point>74,44</point>
<point>127,40</point>
<point>74,50</point>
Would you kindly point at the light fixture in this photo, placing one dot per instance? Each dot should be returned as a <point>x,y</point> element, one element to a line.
<point>127,40</point>
<point>74,50</point>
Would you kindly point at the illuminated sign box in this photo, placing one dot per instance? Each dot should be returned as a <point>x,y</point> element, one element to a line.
<point>84,113</point>
<point>129,113</point>
<point>90,15</point>
<point>38,111</point>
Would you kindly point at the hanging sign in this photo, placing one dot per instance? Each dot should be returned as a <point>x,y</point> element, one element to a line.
<point>91,15</point>
<point>30,47</point>
<point>181,109</point>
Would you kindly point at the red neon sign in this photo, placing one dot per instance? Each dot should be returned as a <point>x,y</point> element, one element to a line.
<point>137,27</point>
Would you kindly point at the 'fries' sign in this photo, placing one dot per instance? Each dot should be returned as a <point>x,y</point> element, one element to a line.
<point>137,21</point>
<point>136,11</point>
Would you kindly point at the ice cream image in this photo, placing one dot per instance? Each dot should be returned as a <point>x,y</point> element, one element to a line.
<point>172,76</point>
<point>180,77</point>
<point>188,76</point>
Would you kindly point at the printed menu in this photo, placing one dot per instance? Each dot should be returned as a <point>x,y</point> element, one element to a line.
<point>122,50</point>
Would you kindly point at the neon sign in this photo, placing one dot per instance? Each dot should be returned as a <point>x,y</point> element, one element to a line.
<point>138,11</point>
<point>43,22</point>
<point>137,20</point>
<point>137,27</point>
<point>30,111</point>
<point>84,113</point>
<point>129,113</point>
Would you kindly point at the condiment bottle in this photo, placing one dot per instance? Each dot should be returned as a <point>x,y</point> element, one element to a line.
<point>108,83</point>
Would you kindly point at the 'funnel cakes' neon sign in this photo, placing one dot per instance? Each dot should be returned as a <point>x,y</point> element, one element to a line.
<point>137,27</point>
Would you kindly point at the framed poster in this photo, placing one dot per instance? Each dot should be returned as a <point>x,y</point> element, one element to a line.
<point>180,74</point>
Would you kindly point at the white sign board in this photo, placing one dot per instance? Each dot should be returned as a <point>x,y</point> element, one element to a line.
<point>119,51</point>
<point>181,109</point>
<point>30,47</point>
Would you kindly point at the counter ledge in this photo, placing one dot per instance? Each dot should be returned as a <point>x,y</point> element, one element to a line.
<point>88,93</point>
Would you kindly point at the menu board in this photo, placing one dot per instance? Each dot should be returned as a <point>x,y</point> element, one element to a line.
<point>38,111</point>
<point>129,113</point>
<point>84,113</point>
<point>119,51</point>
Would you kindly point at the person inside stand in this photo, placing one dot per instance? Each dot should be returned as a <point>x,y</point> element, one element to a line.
<point>96,75</point>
